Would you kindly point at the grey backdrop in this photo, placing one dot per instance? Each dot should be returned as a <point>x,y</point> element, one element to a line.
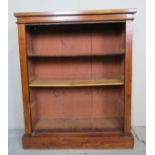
<point>138,90</point>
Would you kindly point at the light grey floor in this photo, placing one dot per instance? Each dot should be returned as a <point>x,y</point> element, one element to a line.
<point>15,147</point>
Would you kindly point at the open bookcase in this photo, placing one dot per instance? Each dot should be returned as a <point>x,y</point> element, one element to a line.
<point>76,78</point>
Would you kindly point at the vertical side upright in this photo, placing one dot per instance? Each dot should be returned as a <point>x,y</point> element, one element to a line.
<point>24,77</point>
<point>128,76</point>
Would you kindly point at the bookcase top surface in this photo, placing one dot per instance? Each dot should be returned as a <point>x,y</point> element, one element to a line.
<point>86,16</point>
<point>81,12</point>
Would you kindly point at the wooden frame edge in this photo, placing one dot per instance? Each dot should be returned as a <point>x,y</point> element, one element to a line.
<point>128,76</point>
<point>81,12</point>
<point>24,77</point>
<point>76,142</point>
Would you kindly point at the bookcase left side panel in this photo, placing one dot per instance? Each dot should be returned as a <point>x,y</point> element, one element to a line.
<point>24,77</point>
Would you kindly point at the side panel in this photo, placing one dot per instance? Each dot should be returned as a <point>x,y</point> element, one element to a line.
<point>128,75</point>
<point>24,77</point>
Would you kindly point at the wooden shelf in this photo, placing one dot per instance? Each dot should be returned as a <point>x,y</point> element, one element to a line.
<point>76,124</point>
<point>35,55</point>
<point>76,83</point>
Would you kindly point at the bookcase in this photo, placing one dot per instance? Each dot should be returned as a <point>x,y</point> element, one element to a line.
<point>76,78</point>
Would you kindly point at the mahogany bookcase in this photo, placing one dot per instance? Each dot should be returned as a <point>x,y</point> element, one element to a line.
<point>76,78</point>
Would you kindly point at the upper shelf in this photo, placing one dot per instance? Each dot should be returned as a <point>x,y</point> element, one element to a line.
<point>36,55</point>
<point>76,83</point>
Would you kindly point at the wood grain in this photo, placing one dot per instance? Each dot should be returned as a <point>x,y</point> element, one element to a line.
<point>102,54</point>
<point>78,103</point>
<point>80,39</point>
<point>79,68</point>
<point>81,16</point>
<point>24,77</point>
<point>82,12</point>
<point>128,77</point>
<point>78,140</point>
<point>72,64</point>
<point>78,124</point>
<point>76,83</point>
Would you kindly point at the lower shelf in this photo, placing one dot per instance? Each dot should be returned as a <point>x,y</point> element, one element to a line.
<point>79,124</point>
